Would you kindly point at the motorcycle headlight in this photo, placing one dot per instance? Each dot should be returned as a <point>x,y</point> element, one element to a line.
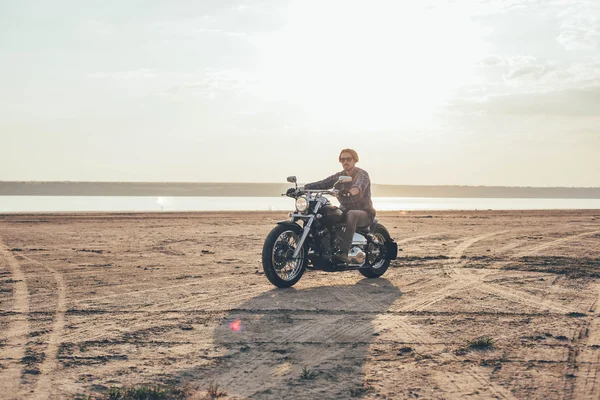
<point>301,204</point>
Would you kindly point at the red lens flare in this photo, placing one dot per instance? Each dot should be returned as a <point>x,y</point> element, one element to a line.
<point>235,325</point>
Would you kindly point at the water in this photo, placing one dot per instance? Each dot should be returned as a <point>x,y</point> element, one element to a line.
<point>145,203</point>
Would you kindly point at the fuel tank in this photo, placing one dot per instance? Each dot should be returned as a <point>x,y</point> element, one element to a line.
<point>332,215</point>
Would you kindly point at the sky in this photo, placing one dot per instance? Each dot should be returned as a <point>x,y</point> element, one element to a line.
<point>469,92</point>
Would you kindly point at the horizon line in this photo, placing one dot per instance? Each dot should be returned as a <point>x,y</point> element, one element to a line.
<point>283,183</point>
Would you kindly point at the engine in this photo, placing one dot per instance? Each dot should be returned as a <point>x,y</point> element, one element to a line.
<point>356,255</point>
<point>329,237</point>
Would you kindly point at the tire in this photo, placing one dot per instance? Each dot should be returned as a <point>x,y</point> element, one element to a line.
<point>277,246</point>
<point>381,264</point>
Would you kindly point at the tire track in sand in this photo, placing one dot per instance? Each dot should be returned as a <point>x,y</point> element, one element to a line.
<point>413,238</point>
<point>522,297</point>
<point>469,280</point>
<point>584,386</point>
<point>95,330</point>
<point>473,379</point>
<point>213,296</point>
<point>43,387</point>
<point>542,246</point>
<point>19,328</point>
<point>478,380</point>
<point>424,301</point>
<point>150,290</point>
<point>581,375</point>
<point>450,269</point>
<point>94,326</point>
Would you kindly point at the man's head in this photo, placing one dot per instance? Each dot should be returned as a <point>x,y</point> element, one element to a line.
<point>348,158</point>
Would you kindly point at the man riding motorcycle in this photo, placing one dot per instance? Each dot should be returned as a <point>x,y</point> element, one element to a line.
<point>354,197</point>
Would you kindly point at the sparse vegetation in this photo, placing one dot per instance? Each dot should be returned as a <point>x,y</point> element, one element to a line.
<point>481,343</point>
<point>307,374</point>
<point>159,392</point>
<point>145,393</point>
<point>213,391</point>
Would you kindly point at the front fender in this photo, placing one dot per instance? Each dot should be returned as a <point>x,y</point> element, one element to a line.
<point>289,223</point>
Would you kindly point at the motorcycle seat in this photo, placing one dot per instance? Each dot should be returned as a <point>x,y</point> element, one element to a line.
<point>367,229</point>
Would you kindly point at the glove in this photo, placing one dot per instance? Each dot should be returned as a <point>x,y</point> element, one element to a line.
<point>345,193</point>
<point>290,192</point>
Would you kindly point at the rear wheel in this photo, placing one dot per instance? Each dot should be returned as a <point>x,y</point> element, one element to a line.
<point>280,268</point>
<point>376,256</point>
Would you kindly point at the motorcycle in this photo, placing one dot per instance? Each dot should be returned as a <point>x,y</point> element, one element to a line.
<point>310,239</point>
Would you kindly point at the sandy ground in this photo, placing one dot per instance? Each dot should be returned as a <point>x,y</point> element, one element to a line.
<point>90,301</point>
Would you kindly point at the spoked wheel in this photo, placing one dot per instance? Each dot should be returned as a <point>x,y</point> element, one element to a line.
<point>280,268</point>
<point>376,256</point>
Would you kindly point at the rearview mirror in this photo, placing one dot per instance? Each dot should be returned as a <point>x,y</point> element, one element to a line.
<point>291,179</point>
<point>345,179</point>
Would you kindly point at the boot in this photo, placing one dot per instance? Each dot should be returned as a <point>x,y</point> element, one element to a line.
<point>341,258</point>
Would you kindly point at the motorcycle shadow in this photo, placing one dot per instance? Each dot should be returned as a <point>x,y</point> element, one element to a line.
<point>306,343</point>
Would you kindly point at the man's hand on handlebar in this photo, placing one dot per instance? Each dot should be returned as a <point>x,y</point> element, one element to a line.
<point>345,193</point>
<point>293,192</point>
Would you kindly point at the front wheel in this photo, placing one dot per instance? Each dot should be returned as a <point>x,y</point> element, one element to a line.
<point>280,268</point>
<point>377,257</point>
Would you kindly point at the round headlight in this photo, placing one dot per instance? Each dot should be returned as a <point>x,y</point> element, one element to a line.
<point>301,204</point>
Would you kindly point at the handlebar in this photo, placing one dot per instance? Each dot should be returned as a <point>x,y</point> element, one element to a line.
<point>298,193</point>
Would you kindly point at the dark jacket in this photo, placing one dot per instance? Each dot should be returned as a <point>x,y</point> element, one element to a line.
<point>360,180</point>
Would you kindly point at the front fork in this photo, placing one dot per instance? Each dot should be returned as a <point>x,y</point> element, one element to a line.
<point>304,236</point>
<point>307,226</point>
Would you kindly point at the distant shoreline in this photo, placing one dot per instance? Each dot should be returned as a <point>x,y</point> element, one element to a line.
<point>175,189</point>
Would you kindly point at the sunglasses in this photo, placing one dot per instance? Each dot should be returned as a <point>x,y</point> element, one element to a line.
<point>342,159</point>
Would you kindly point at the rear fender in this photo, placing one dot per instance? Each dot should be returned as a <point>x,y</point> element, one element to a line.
<point>391,250</point>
